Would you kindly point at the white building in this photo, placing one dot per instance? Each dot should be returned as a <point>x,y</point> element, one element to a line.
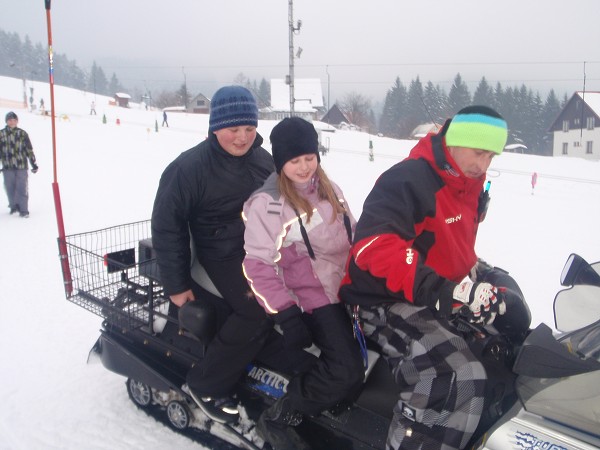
<point>576,130</point>
<point>308,97</point>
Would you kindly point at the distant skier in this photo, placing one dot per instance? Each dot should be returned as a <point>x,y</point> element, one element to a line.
<point>533,181</point>
<point>93,108</point>
<point>165,119</point>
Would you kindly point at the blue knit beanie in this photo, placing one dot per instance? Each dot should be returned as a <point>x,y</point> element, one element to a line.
<point>232,106</point>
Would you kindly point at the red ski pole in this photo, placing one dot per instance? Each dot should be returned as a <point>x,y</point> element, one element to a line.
<point>62,240</point>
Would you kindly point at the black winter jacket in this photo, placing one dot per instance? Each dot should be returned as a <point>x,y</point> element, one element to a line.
<point>202,193</point>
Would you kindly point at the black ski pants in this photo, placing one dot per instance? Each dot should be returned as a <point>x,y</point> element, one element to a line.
<point>244,327</point>
<point>339,370</point>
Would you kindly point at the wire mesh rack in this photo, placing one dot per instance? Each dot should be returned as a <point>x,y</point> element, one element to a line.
<point>112,272</point>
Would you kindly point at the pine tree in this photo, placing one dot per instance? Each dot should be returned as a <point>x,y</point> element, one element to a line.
<point>551,109</point>
<point>415,109</point>
<point>115,86</point>
<point>484,94</point>
<point>264,93</point>
<point>550,112</point>
<point>459,95</point>
<point>67,73</point>
<point>184,95</point>
<point>436,102</point>
<point>97,82</point>
<point>498,98</point>
<point>394,110</point>
<point>537,124</point>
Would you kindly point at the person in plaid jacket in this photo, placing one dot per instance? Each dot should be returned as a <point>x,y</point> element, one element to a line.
<point>16,152</point>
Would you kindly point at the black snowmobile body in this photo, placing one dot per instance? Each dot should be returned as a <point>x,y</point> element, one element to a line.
<point>145,339</point>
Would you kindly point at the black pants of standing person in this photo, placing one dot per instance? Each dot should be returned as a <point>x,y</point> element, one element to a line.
<point>245,327</point>
<point>339,370</point>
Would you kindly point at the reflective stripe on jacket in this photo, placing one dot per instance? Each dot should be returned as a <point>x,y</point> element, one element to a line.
<point>201,194</point>
<point>277,263</point>
<point>416,235</point>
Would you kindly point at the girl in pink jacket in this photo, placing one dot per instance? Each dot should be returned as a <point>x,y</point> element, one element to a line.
<point>297,238</point>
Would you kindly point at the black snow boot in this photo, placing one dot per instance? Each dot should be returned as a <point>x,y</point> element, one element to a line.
<point>276,426</point>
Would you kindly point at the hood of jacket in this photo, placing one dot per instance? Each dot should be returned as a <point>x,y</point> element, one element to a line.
<point>432,148</point>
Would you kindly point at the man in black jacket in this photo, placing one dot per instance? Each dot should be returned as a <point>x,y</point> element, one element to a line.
<point>200,195</point>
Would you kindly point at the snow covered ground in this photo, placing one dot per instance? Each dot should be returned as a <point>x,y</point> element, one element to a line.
<point>108,174</point>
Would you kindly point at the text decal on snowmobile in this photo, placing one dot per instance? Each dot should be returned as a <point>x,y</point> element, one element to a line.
<point>527,441</point>
<point>267,382</point>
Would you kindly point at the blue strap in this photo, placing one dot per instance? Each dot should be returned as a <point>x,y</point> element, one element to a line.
<point>360,335</point>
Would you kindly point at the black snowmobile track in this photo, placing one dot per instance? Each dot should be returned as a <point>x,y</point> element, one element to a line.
<point>205,438</point>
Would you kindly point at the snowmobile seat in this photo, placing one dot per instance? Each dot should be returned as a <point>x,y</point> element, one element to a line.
<point>198,318</point>
<point>380,391</point>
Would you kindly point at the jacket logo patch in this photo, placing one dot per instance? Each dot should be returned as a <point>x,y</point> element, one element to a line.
<point>454,219</point>
<point>410,256</point>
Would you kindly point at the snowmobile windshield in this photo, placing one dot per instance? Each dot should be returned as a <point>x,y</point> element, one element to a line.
<point>579,305</point>
<point>573,401</point>
<point>562,382</point>
<point>559,377</point>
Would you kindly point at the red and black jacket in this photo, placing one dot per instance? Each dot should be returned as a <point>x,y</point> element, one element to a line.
<point>416,236</point>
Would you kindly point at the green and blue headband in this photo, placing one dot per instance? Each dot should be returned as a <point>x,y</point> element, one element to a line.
<point>477,127</point>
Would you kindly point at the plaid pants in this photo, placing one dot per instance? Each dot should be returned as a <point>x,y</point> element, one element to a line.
<point>441,382</point>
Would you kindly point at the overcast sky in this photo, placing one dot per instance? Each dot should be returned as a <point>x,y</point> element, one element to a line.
<point>362,45</point>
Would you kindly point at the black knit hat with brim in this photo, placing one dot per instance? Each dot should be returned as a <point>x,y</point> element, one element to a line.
<point>293,137</point>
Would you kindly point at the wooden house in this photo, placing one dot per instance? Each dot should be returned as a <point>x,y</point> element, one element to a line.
<point>122,99</point>
<point>335,116</point>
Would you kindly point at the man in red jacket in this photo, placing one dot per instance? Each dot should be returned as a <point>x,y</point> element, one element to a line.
<point>414,245</point>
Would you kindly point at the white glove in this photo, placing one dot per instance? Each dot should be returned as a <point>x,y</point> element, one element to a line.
<point>480,302</point>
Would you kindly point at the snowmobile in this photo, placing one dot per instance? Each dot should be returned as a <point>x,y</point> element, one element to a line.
<point>544,390</point>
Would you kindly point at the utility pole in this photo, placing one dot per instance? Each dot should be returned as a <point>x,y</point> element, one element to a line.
<point>328,84</point>
<point>185,92</point>
<point>293,29</point>
<point>14,64</point>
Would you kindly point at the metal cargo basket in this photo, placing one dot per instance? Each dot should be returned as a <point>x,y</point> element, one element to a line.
<point>113,273</point>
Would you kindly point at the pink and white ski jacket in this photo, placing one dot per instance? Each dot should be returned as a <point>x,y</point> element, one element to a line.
<point>277,264</point>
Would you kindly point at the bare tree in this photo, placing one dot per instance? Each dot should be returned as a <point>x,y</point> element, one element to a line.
<point>167,98</point>
<point>242,80</point>
<point>358,110</point>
